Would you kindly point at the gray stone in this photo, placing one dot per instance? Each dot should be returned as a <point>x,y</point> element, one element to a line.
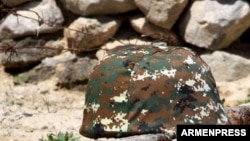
<point>27,52</point>
<point>86,34</point>
<point>143,26</point>
<point>46,69</point>
<point>33,18</point>
<point>239,115</point>
<point>71,71</point>
<point>13,3</point>
<point>226,66</point>
<point>99,7</point>
<point>75,75</point>
<point>214,24</point>
<point>163,13</point>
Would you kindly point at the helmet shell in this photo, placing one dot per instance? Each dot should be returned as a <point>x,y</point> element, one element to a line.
<point>140,89</point>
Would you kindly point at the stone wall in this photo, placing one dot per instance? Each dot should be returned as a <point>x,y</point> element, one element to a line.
<point>206,24</point>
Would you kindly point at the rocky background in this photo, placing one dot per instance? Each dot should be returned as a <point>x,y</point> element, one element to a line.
<point>48,48</point>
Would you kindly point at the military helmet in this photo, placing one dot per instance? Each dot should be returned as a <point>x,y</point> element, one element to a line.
<point>141,89</point>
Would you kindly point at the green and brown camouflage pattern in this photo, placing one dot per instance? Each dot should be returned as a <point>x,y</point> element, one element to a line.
<point>148,89</point>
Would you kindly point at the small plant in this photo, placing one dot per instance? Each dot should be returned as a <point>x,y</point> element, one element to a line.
<point>17,80</point>
<point>61,137</point>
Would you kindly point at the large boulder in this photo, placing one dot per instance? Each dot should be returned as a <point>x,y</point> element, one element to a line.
<point>34,18</point>
<point>214,24</point>
<point>163,13</point>
<point>99,7</point>
<point>86,34</point>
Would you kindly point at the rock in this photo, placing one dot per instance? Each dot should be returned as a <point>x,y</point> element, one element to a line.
<point>29,23</point>
<point>146,137</point>
<point>71,71</point>
<point>227,66</point>
<point>86,34</point>
<point>235,92</point>
<point>149,89</point>
<point>162,13</point>
<point>125,36</point>
<point>100,54</point>
<point>56,60</point>
<point>13,3</point>
<point>214,24</point>
<point>99,7</point>
<point>141,25</point>
<point>75,75</point>
<point>239,115</point>
<point>26,52</point>
<point>36,74</point>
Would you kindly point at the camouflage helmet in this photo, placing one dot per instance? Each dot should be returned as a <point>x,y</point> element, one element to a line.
<point>140,89</point>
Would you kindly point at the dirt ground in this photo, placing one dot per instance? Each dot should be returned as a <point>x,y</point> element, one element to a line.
<point>30,112</point>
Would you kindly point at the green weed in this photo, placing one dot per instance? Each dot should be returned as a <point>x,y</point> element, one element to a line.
<point>61,137</point>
